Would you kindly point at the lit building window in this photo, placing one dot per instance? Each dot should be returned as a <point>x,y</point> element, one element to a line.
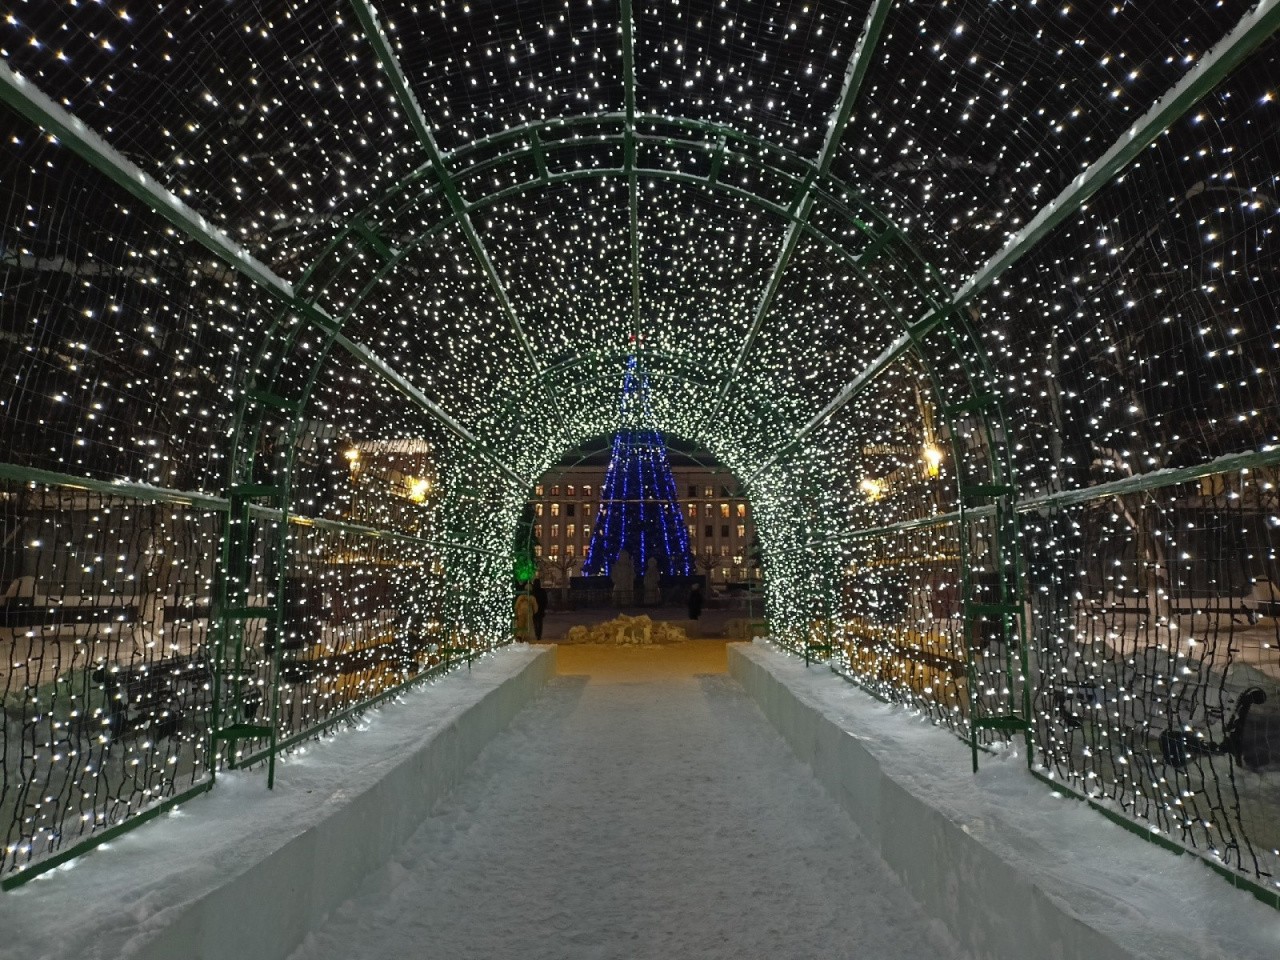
<point>570,551</point>
<point>586,489</point>
<point>724,550</point>
<point>742,510</point>
<point>538,509</point>
<point>570,491</point>
<point>742,530</point>
<point>537,491</point>
<point>693,510</point>
<point>555,509</point>
<point>708,492</point>
<point>571,530</point>
<point>724,511</point>
<point>555,531</point>
<point>537,530</point>
<point>693,530</point>
<point>708,510</point>
<point>555,490</point>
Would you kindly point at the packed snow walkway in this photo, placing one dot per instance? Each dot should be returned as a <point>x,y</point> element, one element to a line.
<point>644,809</point>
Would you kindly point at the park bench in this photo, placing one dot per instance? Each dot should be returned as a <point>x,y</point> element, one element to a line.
<point>1248,740</point>
<point>151,698</point>
<point>1263,600</point>
<point>24,606</point>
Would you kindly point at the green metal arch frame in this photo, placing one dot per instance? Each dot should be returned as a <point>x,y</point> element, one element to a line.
<point>834,196</point>
<point>832,191</point>
<point>361,234</point>
<point>530,146</point>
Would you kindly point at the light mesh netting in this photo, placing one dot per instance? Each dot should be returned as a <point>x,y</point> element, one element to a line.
<point>976,298</point>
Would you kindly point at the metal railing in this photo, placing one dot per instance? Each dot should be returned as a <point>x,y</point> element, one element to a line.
<point>111,676</point>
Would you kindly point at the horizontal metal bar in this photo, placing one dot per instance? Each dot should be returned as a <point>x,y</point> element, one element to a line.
<point>377,533</point>
<point>1153,480</point>
<point>921,523</point>
<point>116,488</point>
<point>1006,721</point>
<point>96,840</point>
<point>17,473</point>
<point>1268,895</point>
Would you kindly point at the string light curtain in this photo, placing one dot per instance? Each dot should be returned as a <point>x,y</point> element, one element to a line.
<point>975,298</point>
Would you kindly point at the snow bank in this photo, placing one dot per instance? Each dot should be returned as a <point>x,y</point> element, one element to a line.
<point>244,872</point>
<point>1012,868</point>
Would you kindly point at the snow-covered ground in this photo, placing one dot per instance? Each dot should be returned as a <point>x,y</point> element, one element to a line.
<point>662,818</point>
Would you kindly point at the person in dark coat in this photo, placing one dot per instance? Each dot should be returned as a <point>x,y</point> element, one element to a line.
<point>695,601</point>
<point>539,594</point>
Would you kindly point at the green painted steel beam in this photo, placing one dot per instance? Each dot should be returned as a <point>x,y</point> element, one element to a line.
<point>841,399</point>
<point>802,207</point>
<point>17,473</point>
<point>377,38</point>
<point>656,173</point>
<point>1254,28</point>
<point>718,137</point>
<point>1152,480</point>
<point>629,158</point>
<point>310,733</point>
<point>1063,499</point>
<point>531,140</point>
<point>30,102</point>
<point>363,530</point>
<point>26,99</point>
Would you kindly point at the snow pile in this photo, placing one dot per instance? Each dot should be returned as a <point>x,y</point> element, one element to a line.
<point>628,631</point>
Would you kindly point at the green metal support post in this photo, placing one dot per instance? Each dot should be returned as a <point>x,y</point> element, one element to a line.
<point>802,206</point>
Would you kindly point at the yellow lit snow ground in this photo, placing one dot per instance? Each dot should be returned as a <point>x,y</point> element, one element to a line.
<point>609,663</point>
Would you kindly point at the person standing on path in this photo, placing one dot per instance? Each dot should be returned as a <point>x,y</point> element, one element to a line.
<point>540,597</point>
<point>526,610</point>
<point>695,600</point>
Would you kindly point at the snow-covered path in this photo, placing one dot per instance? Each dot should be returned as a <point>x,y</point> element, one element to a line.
<point>661,818</point>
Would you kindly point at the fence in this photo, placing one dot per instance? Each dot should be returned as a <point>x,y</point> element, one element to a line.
<point>115,684</point>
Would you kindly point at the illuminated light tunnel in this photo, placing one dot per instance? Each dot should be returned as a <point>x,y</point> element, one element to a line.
<point>977,300</point>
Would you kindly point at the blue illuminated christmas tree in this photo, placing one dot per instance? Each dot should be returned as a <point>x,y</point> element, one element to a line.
<point>638,512</point>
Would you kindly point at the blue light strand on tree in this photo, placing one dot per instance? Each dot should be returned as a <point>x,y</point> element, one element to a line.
<point>639,511</point>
